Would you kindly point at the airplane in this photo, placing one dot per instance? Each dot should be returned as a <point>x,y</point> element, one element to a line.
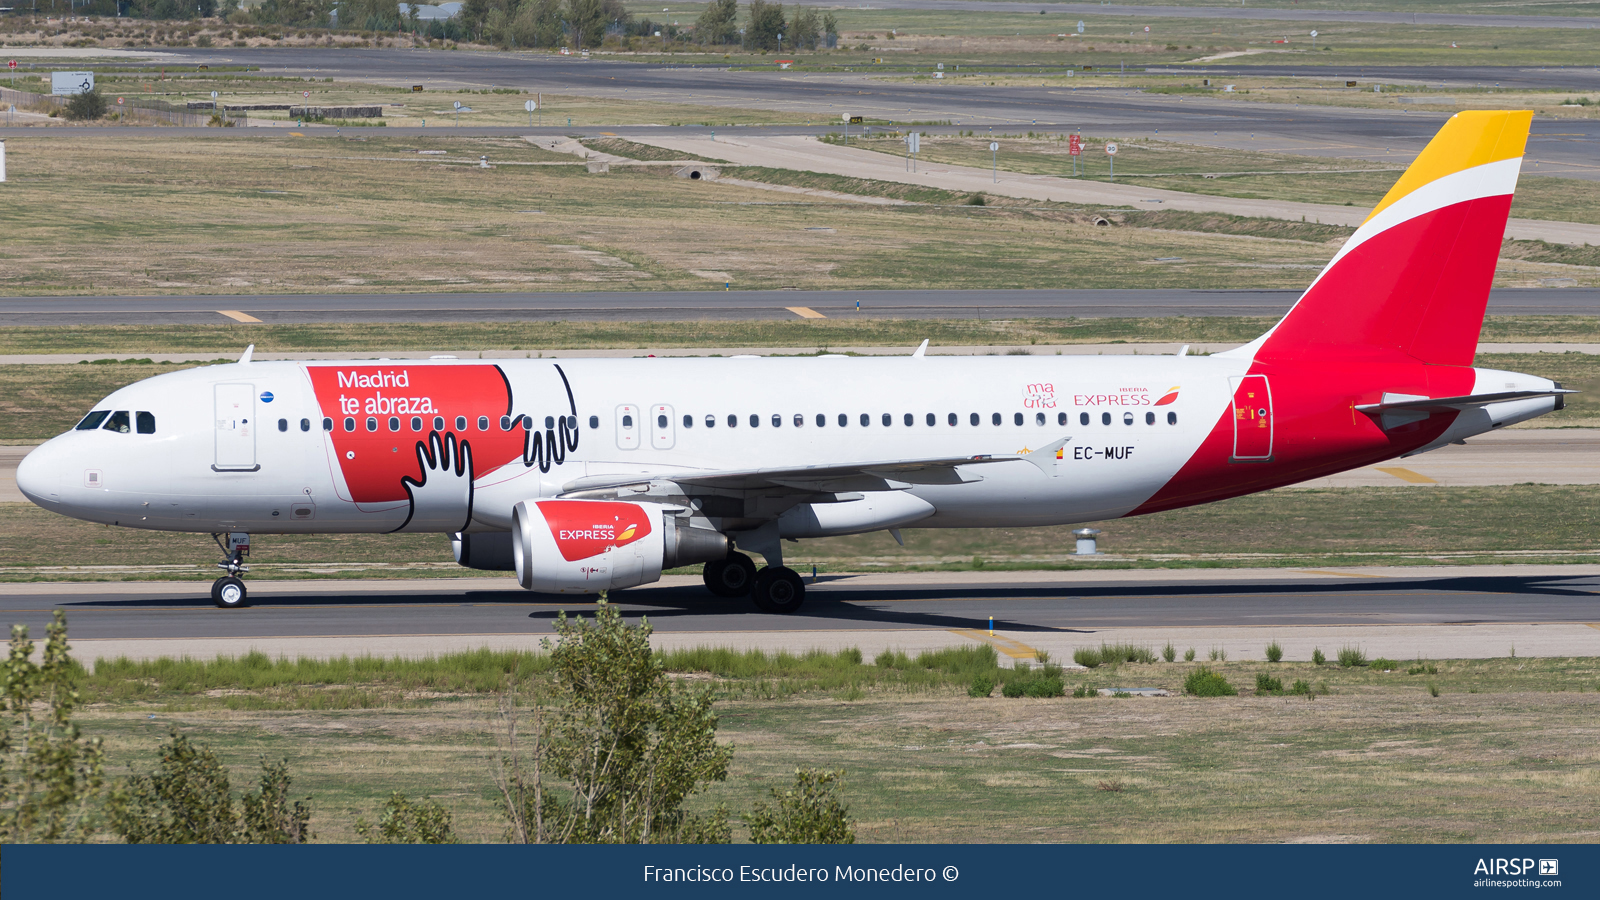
<point>586,475</point>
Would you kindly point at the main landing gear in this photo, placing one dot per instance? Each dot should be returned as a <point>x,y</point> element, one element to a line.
<point>775,589</point>
<point>228,592</point>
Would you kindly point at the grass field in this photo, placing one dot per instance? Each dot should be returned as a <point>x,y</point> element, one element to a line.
<point>1286,527</point>
<point>1505,753</point>
<point>367,212</point>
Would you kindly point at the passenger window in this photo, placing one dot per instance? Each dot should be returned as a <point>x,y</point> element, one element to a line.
<point>550,422</point>
<point>1083,418</point>
<point>349,424</point>
<point>994,419</point>
<point>416,423</point>
<point>755,421</point>
<point>1061,418</point>
<point>910,420</point>
<point>527,423</point>
<point>711,421</point>
<point>1149,418</point>
<point>572,424</point>
<point>973,418</point>
<point>305,425</point>
<point>92,420</point>
<point>931,419</point>
<point>733,421</point>
<point>1172,418</point>
<point>438,423</point>
<point>777,421</point>
<point>118,422</point>
<point>661,421</point>
<point>372,423</point>
<point>865,420</point>
<point>1127,418</point>
<point>799,420</point>
<point>688,420</point>
<point>594,422</point>
<point>951,419</point>
<point>843,420</point>
<point>394,423</point>
<point>505,423</point>
<point>821,420</point>
<point>1038,418</point>
<point>327,425</point>
<point>1016,418</point>
<point>887,420</point>
<point>146,422</point>
<point>1105,418</point>
<point>483,423</point>
<point>283,424</point>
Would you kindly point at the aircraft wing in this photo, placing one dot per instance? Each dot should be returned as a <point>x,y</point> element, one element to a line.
<point>877,475</point>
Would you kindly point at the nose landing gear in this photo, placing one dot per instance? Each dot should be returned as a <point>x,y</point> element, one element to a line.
<point>228,592</point>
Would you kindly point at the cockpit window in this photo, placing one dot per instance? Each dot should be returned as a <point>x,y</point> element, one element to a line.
<point>118,421</point>
<point>93,420</point>
<point>146,422</point>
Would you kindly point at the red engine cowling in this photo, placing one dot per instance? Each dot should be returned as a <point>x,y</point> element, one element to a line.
<point>588,546</point>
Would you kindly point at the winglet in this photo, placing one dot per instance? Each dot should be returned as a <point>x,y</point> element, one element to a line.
<point>1045,457</point>
<point>248,351</point>
<point>922,350</point>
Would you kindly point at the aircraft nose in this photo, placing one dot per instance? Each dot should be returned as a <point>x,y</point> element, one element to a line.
<point>42,474</point>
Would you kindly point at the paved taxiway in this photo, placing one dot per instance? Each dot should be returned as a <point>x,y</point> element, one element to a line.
<point>697,305</point>
<point>1400,613</point>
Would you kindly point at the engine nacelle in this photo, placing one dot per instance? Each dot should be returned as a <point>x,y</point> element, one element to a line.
<point>489,551</point>
<point>588,546</point>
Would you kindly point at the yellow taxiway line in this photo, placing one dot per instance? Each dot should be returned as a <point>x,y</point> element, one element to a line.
<point>238,316</point>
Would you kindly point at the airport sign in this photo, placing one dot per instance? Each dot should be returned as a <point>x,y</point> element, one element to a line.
<point>1111,149</point>
<point>69,83</point>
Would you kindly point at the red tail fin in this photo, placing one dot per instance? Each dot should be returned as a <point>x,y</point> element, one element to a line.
<point>1414,279</point>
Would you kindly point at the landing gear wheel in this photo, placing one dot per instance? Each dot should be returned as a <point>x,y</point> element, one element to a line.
<point>730,577</point>
<point>229,592</point>
<point>779,589</point>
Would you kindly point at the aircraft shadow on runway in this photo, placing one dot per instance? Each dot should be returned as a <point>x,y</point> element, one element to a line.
<point>840,605</point>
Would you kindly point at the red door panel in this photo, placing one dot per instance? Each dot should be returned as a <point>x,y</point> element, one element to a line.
<point>1252,418</point>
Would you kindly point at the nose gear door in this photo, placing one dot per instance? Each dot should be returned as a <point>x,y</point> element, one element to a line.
<point>235,428</point>
<point>1252,419</point>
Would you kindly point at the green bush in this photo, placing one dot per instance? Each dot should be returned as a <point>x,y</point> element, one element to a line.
<point>1046,686</point>
<point>187,801</point>
<point>1169,652</point>
<point>86,107</point>
<point>1274,652</point>
<point>404,822</point>
<point>810,812</point>
<point>1088,657</point>
<point>1014,688</point>
<point>1266,684</point>
<point>1384,665</point>
<point>1083,690</point>
<point>1350,657</point>
<point>1188,655</point>
<point>1121,653</point>
<point>1300,688</point>
<point>1422,668</point>
<point>1433,689</point>
<point>1317,658</point>
<point>1219,654</point>
<point>982,686</point>
<point>1203,682</point>
<point>977,200</point>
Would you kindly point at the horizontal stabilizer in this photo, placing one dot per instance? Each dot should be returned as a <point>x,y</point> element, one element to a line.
<point>1450,404</point>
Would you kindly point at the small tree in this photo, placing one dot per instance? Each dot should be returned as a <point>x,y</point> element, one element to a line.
<point>404,822</point>
<point>187,800</point>
<point>626,746</point>
<point>766,23</point>
<point>719,23</point>
<point>808,813</point>
<point>805,28</point>
<point>86,107</point>
<point>50,775</point>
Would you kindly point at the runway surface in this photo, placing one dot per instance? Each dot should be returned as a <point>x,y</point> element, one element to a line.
<point>1030,611</point>
<point>1564,147</point>
<point>678,306</point>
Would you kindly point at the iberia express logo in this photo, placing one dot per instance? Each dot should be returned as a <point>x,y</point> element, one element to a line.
<point>585,528</point>
<point>1169,396</point>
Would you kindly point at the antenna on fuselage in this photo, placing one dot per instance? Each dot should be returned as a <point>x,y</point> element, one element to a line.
<point>921,350</point>
<point>245,359</point>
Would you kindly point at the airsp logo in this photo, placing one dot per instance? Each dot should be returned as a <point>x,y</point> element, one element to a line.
<point>1514,867</point>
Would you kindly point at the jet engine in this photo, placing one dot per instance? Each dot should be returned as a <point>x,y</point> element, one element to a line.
<point>588,546</point>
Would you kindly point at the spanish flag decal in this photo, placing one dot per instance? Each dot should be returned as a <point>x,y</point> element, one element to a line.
<point>1061,452</point>
<point>1171,395</point>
